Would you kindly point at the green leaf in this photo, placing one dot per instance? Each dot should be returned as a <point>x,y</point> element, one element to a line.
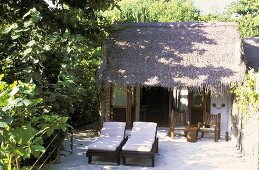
<point>27,51</point>
<point>16,102</point>
<point>3,124</point>
<point>26,102</point>
<point>63,127</point>
<point>38,148</point>
<point>35,102</point>
<point>24,134</point>
<point>15,35</point>
<point>20,151</point>
<point>13,26</point>
<point>5,120</point>
<point>31,43</point>
<point>28,23</point>
<point>14,91</point>
<point>50,131</point>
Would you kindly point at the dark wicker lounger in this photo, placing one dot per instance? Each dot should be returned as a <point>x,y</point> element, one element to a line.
<point>109,143</point>
<point>105,153</point>
<point>138,153</point>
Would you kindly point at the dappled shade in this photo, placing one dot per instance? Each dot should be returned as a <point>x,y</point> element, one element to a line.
<point>184,54</point>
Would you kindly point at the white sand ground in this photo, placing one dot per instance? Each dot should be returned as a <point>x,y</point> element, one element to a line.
<point>174,154</point>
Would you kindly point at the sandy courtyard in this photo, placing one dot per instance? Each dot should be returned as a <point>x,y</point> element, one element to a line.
<point>176,154</point>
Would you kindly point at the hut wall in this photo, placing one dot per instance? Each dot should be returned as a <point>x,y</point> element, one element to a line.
<point>184,102</point>
<point>225,111</point>
<point>245,134</point>
<point>105,104</point>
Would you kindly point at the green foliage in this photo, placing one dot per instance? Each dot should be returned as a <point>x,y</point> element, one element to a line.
<point>245,7</point>
<point>22,125</point>
<point>58,49</point>
<point>55,51</point>
<point>213,17</point>
<point>152,11</point>
<point>245,13</point>
<point>246,97</point>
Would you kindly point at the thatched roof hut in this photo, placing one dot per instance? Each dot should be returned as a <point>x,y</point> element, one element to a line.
<point>181,54</point>
<point>251,48</point>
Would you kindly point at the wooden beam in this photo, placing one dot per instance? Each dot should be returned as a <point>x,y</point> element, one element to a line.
<point>137,111</point>
<point>129,104</point>
<point>190,105</point>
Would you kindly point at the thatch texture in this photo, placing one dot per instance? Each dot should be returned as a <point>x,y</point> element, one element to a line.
<point>184,54</point>
<point>251,48</point>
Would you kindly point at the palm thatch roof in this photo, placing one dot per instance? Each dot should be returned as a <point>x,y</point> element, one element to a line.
<point>181,54</point>
<point>251,48</point>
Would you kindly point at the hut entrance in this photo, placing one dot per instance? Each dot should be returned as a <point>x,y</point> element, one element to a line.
<point>123,105</point>
<point>155,102</point>
<point>198,106</point>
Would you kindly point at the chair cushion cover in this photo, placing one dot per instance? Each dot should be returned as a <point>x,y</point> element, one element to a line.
<point>113,129</point>
<point>106,143</point>
<point>112,134</point>
<point>142,137</point>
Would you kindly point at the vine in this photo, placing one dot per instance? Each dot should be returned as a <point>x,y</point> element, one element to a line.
<point>247,100</point>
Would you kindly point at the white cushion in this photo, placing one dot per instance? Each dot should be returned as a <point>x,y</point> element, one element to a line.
<point>140,131</point>
<point>113,129</point>
<point>145,124</point>
<point>142,137</point>
<point>112,134</point>
<point>109,124</point>
<point>147,129</point>
<point>139,144</point>
<point>106,143</point>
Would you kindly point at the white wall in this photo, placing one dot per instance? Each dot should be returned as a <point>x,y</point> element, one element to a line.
<point>184,102</point>
<point>225,111</point>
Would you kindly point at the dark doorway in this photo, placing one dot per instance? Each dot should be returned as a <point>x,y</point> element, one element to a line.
<point>199,103</point>
<point>156,101</point>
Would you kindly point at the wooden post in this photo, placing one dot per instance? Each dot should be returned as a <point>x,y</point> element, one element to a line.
<point>137,111</point>
<point>190,105</point>
<point>128,109</point>
<point>204,103</point>
<point>172,125</point>
<point>179,99</point>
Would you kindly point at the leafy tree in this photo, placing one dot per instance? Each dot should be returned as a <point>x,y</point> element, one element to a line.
<point>245,12</point>
<point>22,125</point>
<point>153,11</point>
<point>214,17</point>
<point>57,51</point>
<point>57,48</point>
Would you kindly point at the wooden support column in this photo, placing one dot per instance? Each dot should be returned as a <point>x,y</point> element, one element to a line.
<point>105,104</point>
<point>129,104</point>
<point>178,99</point>
<point>172,125</point>
<point>137,111</point>
<point>190,104</point>
<point>170,103</point>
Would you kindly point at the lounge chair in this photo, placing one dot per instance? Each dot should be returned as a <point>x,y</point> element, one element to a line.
<point>109,143</point>
<point>211,124</point>
<point>142,143</point>
<point>178,123</point>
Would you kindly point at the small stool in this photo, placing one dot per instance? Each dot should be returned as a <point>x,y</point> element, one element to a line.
<point>192,133</point>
